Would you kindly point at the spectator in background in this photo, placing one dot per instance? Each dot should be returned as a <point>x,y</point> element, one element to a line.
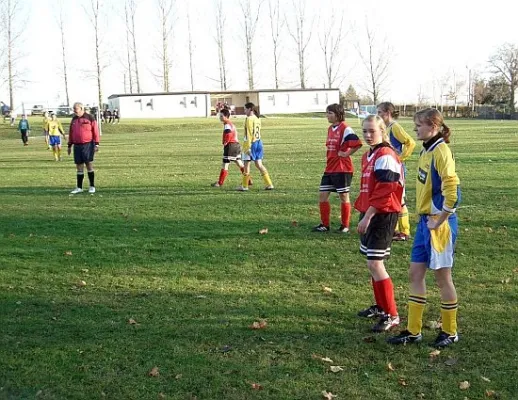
<point>25,129</point>
<point>5,109</point>
<point>115,116</point>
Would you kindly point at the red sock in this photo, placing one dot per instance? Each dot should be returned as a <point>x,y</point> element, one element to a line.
<point>346,214</point>
<point>387,291</point>
<point>378,298</point>
<point>222,176</point>
<point>242,169</point>
<point>325,212</point>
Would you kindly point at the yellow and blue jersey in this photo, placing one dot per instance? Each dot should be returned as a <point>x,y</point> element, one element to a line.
<point>437,186</point>
<point>252,132</point>
<point>401,141</point>
<point>54,128</point>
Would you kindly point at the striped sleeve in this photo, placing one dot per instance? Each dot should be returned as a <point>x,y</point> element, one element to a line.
<point>350,140</point>
<point>387,171</point>
<point>403,137</point>
<point>445,166</point>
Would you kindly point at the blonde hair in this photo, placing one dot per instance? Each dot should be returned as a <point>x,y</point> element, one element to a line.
<point>381,125</point>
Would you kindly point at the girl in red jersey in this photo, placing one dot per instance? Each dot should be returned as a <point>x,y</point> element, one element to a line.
<point>231,147</point>
<point>341,143</point>
<point>379,204</point>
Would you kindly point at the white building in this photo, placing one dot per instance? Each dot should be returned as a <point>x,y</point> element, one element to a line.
<point>203,104</point>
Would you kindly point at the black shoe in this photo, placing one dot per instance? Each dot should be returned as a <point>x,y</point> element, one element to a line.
<point>404,338</point>
<point>445,339</point>
<point>386,323</point>
<point>371,312</point>
<point>320,228</point>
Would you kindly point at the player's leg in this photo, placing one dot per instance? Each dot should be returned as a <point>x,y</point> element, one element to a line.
<point>324,207</point>
<point>246,174</point>
<point>268,185</point>
<point>80,175</point>
<point>343,186</point>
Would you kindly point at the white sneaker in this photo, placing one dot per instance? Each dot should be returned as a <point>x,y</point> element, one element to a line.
<point>76,191</point>
<point>91,189</point>
<point>242,189</point>
<point>269,187</point>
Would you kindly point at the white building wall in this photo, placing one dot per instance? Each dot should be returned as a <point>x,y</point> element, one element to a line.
<point>287,102</point>
<point>162,106</point>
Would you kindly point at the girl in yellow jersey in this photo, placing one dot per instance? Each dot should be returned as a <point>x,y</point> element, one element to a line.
<point>253,148</point>
<point>437,196</point>
<point>55,130</point>
<point>404,146</point>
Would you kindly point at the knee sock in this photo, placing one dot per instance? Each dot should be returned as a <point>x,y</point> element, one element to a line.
<point>325,212</point>
<point>386,290</point>
<point>416,305</point>
<point>91,177</point>
<point>266,178</point>
<point>449,316</point>
<point>403,221</point>
<point>222,176</point>
<point>345,214</point>
<point>80,177</point>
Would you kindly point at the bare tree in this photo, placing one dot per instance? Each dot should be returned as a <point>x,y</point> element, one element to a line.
<point>191,54</point>
<point>165,14</point>
<point>376,60</point>
<point>299,34</point>
<point>131,11</point>
<point>129,66</point>
<point>276,25</point>
<point>331,42</point>
<point>220,40</point>
<point>61,26</point>
<point>94,14</point>
<point>249,26</point>
<point>505,64</point>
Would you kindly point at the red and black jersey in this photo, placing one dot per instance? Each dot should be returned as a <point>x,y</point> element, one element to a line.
<point>229,133</point>
<point>382,180</point>
<point>340,138</point>
<point>83,130</point>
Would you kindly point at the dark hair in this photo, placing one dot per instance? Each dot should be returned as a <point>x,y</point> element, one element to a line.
<point>387,106</point>
<point>433,117</point>
<point>338,110</point>
<point>252,107</point>
<point>225,112</point>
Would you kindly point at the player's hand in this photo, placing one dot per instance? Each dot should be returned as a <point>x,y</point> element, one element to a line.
<point>96,148</point>
<point>363,225</point>
<point>432,223</point>
<point>342,154</point>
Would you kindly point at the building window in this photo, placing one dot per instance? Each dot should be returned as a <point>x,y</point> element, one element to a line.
<point>327,98</point>
<point>195,101</point>
<point>316,98</point>
<point>272,99</point>
<point>287,99</point>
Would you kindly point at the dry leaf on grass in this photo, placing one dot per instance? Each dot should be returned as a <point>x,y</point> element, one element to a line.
<point>326,289</point>
<point>490,393</point>
<point>294,223</point>
<point>506,280</point>
<point>464,385</point>
<point>328,395</point>
<point>450,362</point>
<point>259,324</point>
<point>85,270</point>
<point>420,396</point>
<point>178,376</point>
<point>68,253</point>
<point>154,372</point>
<point>327,359</point>
<point>390,367</point>
<point>335,368</point>
<point>263,231</point>
<point>434,354</point>
<point>485,379</point>
<point>131,321</point>
<point>161,395</point>
<point>81,284</point>
<point>257,386</point>
<point>433,324</point>
<point>402,382</point>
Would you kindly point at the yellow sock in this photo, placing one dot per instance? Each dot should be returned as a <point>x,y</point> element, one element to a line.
<point>404,222</point>
<point>59,152</point>
<point>55,153</point>
<point>266,179</point>
<point>449,316</point>
<point>416,304</point>
<point>246,180</point>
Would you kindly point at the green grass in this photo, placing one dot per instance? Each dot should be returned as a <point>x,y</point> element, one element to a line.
<point>158,245</point>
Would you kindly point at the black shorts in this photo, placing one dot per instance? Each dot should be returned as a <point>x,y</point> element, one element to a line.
<point>376,242</point>
<point>84,153</point>
<point>339,182</point>
<point>231,152</point>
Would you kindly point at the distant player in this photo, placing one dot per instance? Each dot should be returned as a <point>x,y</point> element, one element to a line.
<point>379,204</point>
<point>437,197</point>
<point>115,116</point>
<point>231,148</point>
<point>55,131</point>
<point>46,119</point>
<point>25,129</point>
<point>404,146</point>
<point>6,111</point>
<point>341,143</point>
<point>253,148</point>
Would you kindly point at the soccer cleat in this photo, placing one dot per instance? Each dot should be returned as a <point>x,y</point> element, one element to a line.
<point>343,229</point>
<point>445,339</point>
<point>400,237</point>
<point>371,312</point>
<point>386,323</point>
<point>269,187</point>
<point>76,191</point>
<point>242,189</point>
<point>320,228</point>
<point>91,189</point>
<point>215,184</point>
<point>404,338</point>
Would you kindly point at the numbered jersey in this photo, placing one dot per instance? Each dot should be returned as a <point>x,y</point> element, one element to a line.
<point>340,138</point>
<point>252,132</point>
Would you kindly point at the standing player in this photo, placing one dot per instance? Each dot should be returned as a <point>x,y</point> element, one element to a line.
<point>25,129</point>
<point>341,143</point>
<point>84,136</point>
<point>379,204</point>
<point>437,196</point>
<point>404,146</point>
<point>46,119</point>
<point>253,149</point>
<point>231,147</point>
<point>55,131</point>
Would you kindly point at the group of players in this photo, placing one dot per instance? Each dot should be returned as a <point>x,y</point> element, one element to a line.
<point>381,204</point>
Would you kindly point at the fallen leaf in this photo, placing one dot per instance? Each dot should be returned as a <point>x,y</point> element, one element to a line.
<point>485,379</point>
<point>154,372</point>
<point>294,223</point>
<point>68,253</point>
<point>259,324</point>
<point>327,359</point>
<point>225,349</point>
<point>161,395</point>
<point>327,289</point>
<point>450,362</point>
<point>85,270</point>
<point>390,367</point>
<point>515,270</point>
<point>131,321</point>
<point>490,230</point>
<point>256,386</point>
<point>81,284</point>
<point>201,296</point>
<point>328,395</point>
<point>434,354</point>
<point>506,280</point>
<point>433,324</point>
<point>135,229</point>
<point>335,368</point>
<point>39,393</point>
<point>420,396</point>
<point>490,393</point>
<point>402,382</point>
<point>263,231</point>
<point>178,376</point>
<point>464,385</point>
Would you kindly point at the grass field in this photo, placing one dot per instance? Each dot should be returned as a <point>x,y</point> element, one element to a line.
<point>158,269</point>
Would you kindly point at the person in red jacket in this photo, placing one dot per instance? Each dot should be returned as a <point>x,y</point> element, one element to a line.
<point>84,136</point>
<point>379,204</point>
<point>341,143</point>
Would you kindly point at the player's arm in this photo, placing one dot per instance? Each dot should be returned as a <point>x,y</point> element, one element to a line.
<point>404,138</point>
<point>60,129</point>
<point>226,134</point>
<point>387,170</point>
<point>249,128</point>
<point>351,143</point>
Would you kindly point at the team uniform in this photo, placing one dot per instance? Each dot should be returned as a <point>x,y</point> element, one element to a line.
<point>24,128</point>
<point>55,130</point>
<point>46,119</point>
<point>230,141</point>
<point>404,145</point>
<point>84,136</point>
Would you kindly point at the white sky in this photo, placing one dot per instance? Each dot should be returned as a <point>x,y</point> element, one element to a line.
<point>429,40</point>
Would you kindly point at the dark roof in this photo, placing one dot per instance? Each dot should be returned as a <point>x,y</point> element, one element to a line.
<point>218,92</point>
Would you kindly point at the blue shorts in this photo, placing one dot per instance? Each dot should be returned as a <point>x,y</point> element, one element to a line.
<point>435,248</point>
<point>54,140</point>
<point>256,152</point>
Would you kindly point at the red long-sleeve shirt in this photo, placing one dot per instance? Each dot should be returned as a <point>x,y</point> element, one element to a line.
<point>340,138</point>
<point>83,130</point>
<point>229,133</point>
